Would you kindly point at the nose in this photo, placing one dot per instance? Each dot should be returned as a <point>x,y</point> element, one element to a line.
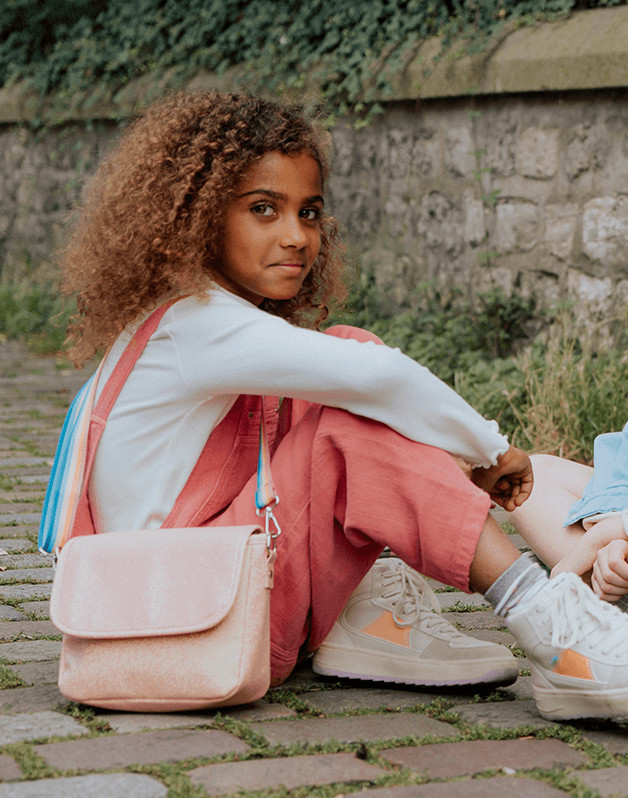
<point>293,234</point>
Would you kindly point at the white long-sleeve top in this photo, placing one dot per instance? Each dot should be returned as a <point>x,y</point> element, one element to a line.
<point>208,351</point>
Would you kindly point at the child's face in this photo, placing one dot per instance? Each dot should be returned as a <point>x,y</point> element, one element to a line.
<point>272,228</point>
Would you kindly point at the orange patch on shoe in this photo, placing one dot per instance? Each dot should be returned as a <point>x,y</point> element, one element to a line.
<point>385,628</point>
<point>570,663</point>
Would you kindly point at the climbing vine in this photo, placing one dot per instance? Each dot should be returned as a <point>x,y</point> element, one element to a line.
<point>347,48</point>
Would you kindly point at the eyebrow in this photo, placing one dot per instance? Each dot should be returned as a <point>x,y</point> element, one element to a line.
<point>278,195</point>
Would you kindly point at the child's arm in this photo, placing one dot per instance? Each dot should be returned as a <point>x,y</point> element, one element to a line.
<point>593,551</point>
<point>509,483</point>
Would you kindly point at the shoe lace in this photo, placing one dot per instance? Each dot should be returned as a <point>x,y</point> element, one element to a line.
<point>576,614</point>
<point>413,599</point>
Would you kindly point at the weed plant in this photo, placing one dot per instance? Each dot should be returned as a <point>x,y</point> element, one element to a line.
<point>35,313</point>
<point>540,377</point>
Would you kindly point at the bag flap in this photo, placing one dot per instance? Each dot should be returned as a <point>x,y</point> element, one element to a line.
<point>148,582</point>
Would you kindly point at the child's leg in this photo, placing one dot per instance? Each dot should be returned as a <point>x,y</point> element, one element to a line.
<point>348,487</point>
<point>558,483</point>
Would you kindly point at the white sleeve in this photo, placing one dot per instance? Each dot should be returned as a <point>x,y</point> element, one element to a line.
<point>228,346</point>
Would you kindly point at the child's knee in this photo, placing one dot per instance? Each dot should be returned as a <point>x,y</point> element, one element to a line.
<point>357,333</point>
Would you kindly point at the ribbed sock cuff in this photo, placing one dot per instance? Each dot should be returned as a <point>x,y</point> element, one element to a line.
<point>519,583</point>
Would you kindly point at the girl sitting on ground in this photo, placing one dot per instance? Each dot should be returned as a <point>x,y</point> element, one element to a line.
<point>217,201</point>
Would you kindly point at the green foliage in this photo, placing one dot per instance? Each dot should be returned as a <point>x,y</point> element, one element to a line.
<point>36,313</point>
<point>572,392</point>
<point>552,393</point>
<point>349,48</point>
<point>8,678</point>
<point>446,332</point>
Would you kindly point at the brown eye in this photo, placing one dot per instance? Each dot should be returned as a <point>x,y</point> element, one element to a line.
<point>310,214</point>
<point>263,209</point>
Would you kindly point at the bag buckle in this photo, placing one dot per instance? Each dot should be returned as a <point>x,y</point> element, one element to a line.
<point>272,531</point>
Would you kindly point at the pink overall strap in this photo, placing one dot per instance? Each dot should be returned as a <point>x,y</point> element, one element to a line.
<point>83,522</point>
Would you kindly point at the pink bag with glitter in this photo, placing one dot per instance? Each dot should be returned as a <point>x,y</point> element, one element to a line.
<point>163,620</point>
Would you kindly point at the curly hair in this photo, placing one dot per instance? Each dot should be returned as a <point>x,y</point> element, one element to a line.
<point>152,224</point>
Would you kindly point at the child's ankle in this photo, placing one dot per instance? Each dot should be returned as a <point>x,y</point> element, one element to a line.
<point>519,583</point>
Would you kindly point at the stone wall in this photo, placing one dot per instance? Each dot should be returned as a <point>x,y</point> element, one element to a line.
<point>461,185</point>
<point>526,192</point>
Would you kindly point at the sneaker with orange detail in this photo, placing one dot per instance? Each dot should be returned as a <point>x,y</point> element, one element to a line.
<point>391,630</point>
<point>577,646</point>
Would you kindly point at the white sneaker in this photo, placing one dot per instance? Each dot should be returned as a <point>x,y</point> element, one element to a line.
<point>391,630</point>
<point>577,645</point>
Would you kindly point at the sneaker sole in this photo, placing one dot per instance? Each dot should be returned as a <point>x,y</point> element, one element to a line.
<point>567,705</point>
<point>355,664</point>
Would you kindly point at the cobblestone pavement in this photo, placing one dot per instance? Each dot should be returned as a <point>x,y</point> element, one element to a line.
<point>312,736</point>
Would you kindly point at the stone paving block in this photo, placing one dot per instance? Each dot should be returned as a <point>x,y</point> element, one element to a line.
<point>23,518</point>
<point>41,609</point>
<point>348,699</point>
<point>15,544</point>
<point>25,591</point>
<point>15,507</point>
<point>290,772</point>
<point>18,531</point>
<point>522,688</point>
<point>30,650</point>
<point>492,635</point>
<point>8,613</point>
<point>20,574</point>
<point>303,677</point>
<point>35,479</point>
<point>106,785</point>
<point>483,619</point>
<point>615,740</point>
<point>21,461</point>
<point>607,781</point>
<point>446,760</point>
<point>134,722</point>
<point>27,629</point>
<point>35,726</point>
<point>31,699</point>
<point>25,560</point>
<point>9,769</point>
<point>38,672</point>
<point>503,715</point>
<point>143,749</point>
<point>468,599</point>
<point>348,730</point>
<point>497,787</point>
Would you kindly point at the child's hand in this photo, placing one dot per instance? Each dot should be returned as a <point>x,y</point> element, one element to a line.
<point>610,571</point>
<point>509,483</point>
<point>593,550</point>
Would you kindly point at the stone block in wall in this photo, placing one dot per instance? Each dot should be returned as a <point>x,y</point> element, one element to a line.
<point>474,228</point>
<point>425,153</point>
<point>588,148</point>
<point>593,296</point>
<point>365,148</point>
<point>516,226</point>
<point>397,210</point>
<point>355,201</point>
<point>605,231</point>
<point>440,224</point>
<point>343,150</point>
<point>500,134</point>
<point>397,153</point>
<point>560,229</point>
<point>537,152</point>
<point>459,151</point>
